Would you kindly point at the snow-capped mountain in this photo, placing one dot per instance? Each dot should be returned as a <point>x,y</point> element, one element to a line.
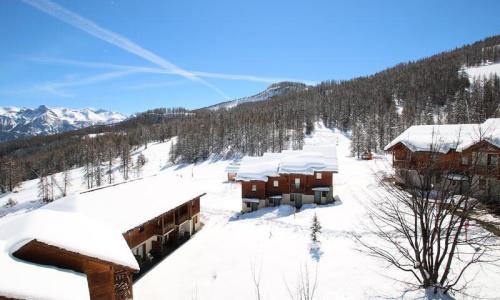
<point>24,122</point>
<point>275,89</point>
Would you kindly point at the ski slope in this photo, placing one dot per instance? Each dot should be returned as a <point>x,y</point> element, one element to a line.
<point>484,71</point>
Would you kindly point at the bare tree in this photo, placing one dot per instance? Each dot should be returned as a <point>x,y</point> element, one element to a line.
<point>44,189</point>
<point>256,277</point>
<point>66,177</point>
<point>306,285</point>
<point>425,229</point>
<point>139,164</point>
<point>126,159</point>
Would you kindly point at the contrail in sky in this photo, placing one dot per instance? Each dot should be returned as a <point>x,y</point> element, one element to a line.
<point>113,38</point>
<point>139,69</point>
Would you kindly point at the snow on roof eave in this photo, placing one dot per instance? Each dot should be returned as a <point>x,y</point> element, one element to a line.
<point>247,178</point>
<point>250,200</point>
<point>489,141</point>
<point>414,148</point>
<point>199,196</point>
<point>86,237</point>
<point>44,281</point>
<point>13,250</point>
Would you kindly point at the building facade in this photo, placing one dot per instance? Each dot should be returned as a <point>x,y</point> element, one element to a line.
<point>458,155</point>
<point>290,178</point>
<point>288,189</point>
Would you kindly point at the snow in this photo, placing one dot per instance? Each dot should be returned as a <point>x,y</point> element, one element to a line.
<point>126,206</point>
<point>44,282</point>
<point>22,122</point>
<point>442,138</point>
<point>483,71</point>
<point>216,263</point>
<point>27,198</point>
<point>69,231</point>
<point>306,161</point>
<point>233,167</point>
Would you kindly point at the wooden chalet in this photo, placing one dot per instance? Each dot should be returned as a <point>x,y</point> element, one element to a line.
<point>291,177</point>
<point>454,152</point>
<point>118,231</point>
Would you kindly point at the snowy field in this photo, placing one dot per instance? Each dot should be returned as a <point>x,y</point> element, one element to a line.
<point>483,71</point>
<point>271,245</point>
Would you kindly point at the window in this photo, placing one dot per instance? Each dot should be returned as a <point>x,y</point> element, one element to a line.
<point>480,158</point>
<point>275,183</point>
<point>248,205</point>
<point>492,160</point>
<point>324,194</point>
<point>254,188</point>
<point>141,229</point>
<point>297,183</point>
<point>318,175</point>
<point>465,160</point>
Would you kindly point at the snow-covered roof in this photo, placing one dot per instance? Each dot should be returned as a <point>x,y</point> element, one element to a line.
<point>442,138</point>
<point>44,282</point>
<point>250,200</point>
<point>69,231</point>
<point>233,167</point>
<point>305,161</point>
<point>258,168</point>
<point>126,206</point>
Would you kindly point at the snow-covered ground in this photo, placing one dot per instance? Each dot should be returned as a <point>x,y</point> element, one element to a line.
<point>483,71</point>
<point>26,195</point>
<point>272,243</point>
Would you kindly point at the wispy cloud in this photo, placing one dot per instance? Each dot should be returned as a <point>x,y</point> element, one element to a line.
<point>113,38</point>
<point>59,88</point>
<point>213,75</point>
<point>152,85</point>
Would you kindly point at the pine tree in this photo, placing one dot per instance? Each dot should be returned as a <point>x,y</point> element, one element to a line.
<point>315,229</point>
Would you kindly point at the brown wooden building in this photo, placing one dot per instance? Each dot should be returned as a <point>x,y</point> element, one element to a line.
<point>120,229</point>
<point>454,152</point>
<point>291,177</point>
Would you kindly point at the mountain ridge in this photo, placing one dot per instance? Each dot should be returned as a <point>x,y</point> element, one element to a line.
<point>275,89</point>
<point>25,122</point>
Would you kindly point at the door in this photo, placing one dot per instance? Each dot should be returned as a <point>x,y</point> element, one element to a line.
<point>297,199</point>
<point>317,197</point>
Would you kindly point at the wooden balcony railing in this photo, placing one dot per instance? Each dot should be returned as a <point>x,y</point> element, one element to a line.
<point>181,219</point>
<point>166,228</point>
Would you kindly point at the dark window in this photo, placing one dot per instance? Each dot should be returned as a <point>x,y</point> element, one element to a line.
<point>492,160</point>
<point>141,229</point>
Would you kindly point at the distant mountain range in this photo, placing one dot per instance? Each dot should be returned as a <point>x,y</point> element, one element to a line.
<point>275,89</point>
<point>18,123</point>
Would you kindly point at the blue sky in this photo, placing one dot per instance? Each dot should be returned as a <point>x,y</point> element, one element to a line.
<point>129,56</point>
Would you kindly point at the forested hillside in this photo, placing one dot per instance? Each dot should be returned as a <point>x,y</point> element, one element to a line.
<point>374,109</point>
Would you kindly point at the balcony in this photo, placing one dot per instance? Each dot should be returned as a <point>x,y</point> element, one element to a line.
<point>182,218</point>
<point>166,228</point>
